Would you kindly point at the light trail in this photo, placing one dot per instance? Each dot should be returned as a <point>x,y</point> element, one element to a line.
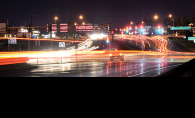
<point>91,52</point>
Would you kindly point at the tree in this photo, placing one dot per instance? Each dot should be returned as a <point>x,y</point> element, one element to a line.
<point>193,20</point>
<point>180,21</point>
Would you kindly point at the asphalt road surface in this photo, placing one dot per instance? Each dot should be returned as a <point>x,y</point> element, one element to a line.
<point>138,65</point>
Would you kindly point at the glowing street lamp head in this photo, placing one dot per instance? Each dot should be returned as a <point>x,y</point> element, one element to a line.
<point>170,15</point>
<point>81,17</point>
<point>56,18</point>
<point>75,23</point>
<point>131,23</point>
<point>83,23</point>
<point>155,17</point>
<point>142,22</point>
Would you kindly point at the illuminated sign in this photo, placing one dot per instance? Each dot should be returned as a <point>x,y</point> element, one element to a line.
<point>12,40</point>
<point>180,28</point>
<point>54,27</point>
<point>147,26</point>
<point>86,27</point>
<point>23,30</point>
<point>61,44</point>
<point>191,38</point>
<point>63,27</point>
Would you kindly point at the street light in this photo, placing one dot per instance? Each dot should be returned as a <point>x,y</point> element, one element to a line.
<point>56,18</point>
<point>81,17</point>
<point>142,22</point>
<point>170,16</point>
<point>131,23</point>
<point>156,17</point>
<point>75,23</point>
<point>83,23</point>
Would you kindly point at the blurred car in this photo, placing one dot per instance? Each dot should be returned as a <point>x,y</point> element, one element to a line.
<point>116,56</point>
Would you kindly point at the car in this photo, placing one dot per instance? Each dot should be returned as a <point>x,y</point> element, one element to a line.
<point>116,56</point>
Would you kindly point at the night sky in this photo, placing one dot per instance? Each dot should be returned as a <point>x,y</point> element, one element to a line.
<point>119,12</point>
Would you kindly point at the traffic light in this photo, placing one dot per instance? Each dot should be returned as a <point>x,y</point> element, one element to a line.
<point>107,40</point>
<point>49,29</point>
<point>102,25</point>
<point>7,30</point>
<point>109,26</point>
<point>29,29</point>
<point>106,26</point>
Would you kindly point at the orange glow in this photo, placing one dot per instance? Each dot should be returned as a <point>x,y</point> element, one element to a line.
<point>56,18</point>
<point>155,17</point>
<point>81,17</point>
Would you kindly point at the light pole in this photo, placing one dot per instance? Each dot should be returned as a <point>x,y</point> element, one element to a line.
<point>156,17</point>
<point>56,18</point>
<point>80,17</point>
<point>170,16</point>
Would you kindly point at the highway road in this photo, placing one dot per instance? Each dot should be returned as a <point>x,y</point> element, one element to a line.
<point>137,63</point>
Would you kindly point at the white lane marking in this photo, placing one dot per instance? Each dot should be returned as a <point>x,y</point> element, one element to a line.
<point>152,70</point>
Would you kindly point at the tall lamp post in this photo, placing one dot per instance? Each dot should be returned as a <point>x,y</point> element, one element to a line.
<point>170,16</point>
<point>156,17</point>
<point>80,17</point>
<point>56,18</point>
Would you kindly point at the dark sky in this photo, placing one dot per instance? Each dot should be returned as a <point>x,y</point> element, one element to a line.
<point>119,12</point>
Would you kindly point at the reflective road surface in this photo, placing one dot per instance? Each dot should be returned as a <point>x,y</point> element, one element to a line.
<point>130,68</point>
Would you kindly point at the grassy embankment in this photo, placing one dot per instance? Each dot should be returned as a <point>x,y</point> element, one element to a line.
<point>184,42</point>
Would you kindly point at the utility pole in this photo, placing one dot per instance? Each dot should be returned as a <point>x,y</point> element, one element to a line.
<point>31,31</point>
<point>8,30</point>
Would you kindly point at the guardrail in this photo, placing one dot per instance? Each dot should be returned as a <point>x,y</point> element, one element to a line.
<point>185,70</point>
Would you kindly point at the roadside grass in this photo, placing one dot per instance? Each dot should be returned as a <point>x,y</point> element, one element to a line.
<point>12,67</point>
<point>187,44</point>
